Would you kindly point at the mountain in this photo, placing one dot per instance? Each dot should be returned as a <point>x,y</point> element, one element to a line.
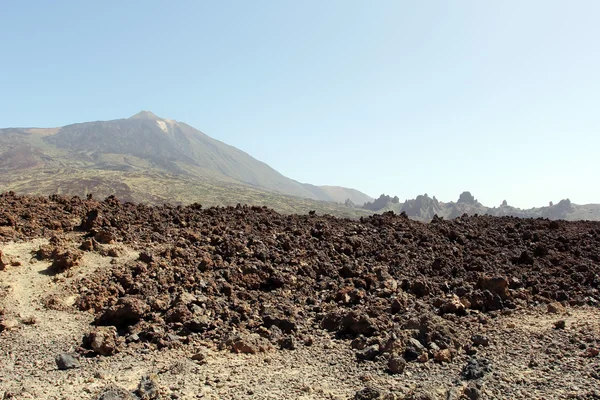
<point>424,208</point>
<point>146,158</point>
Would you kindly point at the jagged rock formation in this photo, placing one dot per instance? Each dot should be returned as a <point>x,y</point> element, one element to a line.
<point>424,208</point>
<point>381,203</point>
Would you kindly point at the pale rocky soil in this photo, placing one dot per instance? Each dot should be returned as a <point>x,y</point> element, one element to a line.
<point>530,358</point>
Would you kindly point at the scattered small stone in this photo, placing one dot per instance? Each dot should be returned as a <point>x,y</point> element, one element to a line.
<point>421,395</point>
<point>533,363</point>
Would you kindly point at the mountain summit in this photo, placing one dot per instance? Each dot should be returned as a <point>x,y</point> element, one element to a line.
<point>144,114</point>
<point>150,159</point>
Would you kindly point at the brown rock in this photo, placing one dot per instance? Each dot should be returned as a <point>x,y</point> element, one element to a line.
<point>103,340</point>
<point>178,314</point>
<point>88,245</point>
<point>8,324</point>
<point>3,261</point>
<point>65,259</point>
<point>105,237</point>
<point>443,355</point>
<point>496,285</point>
<point>356,323</point>
<point>453,305</point>
<point>248,344</point>
<point>590,352</point>
<point>127,311</point>
<point>556,308</point>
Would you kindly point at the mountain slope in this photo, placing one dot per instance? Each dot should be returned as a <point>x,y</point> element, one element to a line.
<point>146,144</point>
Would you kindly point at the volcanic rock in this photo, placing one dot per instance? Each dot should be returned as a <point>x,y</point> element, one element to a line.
<point>66,361</point>
<point>127,311</point>
<point>103,341</point>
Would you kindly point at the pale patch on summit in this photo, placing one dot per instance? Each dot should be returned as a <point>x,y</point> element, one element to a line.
<point>162,125</point>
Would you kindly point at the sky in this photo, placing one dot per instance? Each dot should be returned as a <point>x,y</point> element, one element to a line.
<point>500,98</point>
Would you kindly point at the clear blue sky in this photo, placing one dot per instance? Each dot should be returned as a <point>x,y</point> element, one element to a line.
<point>501,98</point>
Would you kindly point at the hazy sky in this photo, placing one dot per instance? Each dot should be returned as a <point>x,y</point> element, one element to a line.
<point>501,98</point>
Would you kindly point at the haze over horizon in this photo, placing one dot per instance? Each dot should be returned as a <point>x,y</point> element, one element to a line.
<point>403,98</point>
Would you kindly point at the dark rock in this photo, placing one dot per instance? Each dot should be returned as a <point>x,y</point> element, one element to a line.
<point>413,350</point>
<point>179,313</point>
<point>355,323</point>
<point>287,343</point>
<point>200,357</point>
<point>480,340</point>
<point>286,324</point>
<point>331,322</point>
<point>368,353</point>
<point>148,388</point>
<point>396,364</point>
<point>561,324</point>
<point>397,306</point>
<point>66,361</point>
<point>359,343</point>
<point>524,259</point>
<point>146,257</point>
<point>368,393</point>
<point>115,393</point>
<point>199,324</point>
<point>476,368</point>
<point>420,288</point>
